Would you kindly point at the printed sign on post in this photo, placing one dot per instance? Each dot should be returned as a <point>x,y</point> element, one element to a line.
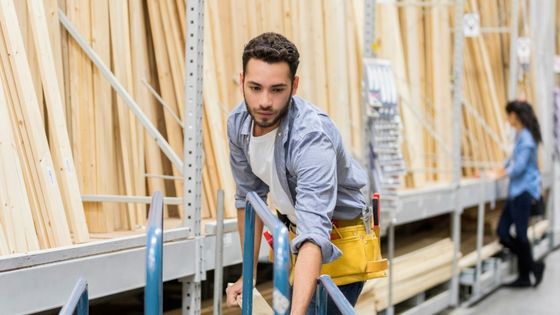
<point>471,24</point>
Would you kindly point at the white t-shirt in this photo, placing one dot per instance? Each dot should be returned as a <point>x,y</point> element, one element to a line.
<point>261,158</point>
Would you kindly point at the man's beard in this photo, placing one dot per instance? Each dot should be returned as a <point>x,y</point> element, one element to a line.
<point>266,124</point>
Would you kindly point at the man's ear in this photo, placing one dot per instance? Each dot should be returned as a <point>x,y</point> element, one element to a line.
<point>241,81</point>
<point>295,84</point>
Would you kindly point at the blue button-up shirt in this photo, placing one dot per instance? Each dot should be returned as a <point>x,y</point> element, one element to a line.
<point>314,169</point>
<point>522,167</point>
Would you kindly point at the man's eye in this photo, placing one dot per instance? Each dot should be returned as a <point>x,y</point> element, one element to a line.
<point>279,90</point>
<point>255,88</point>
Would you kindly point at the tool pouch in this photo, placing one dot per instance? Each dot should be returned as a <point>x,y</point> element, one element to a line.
<point>361,255</point>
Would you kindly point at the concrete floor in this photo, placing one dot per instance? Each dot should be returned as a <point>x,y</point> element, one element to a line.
<point>543,300</point>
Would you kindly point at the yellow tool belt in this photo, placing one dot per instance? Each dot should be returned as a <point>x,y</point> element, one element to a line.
<point>361,253</point>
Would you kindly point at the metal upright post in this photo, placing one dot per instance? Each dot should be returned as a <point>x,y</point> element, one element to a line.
<point>219,264</point>
<point>457,123</point>
<point>512,83</point>
<point>369,39</point>
<point>391,254</point>
<point>192,130</point>
<point>479,239</point>
<point>542,35</point>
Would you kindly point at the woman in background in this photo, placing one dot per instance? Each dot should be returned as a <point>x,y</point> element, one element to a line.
<point>524,189</point>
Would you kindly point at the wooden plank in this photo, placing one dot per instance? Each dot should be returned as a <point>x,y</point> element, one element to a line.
<point>260,305</point>
<point>210,166</point>
<point>441,89</point>
<point>82,106</point>
<point>175,53</point>
<point>354,53</point>
<point>4,249</point>
<point>174,132</point>
<point>60,144</point>
<point>120,43</point>
<point>182,16</point>
<point>141,72</point>
<point>15,210</point>
<point>22,147</point>
<point>41,155</point>
<point>239,37</point>
<point>334,12</point>
<point>391,48</point>
<point>212,111</point>
<point>102,217</point>
<point>51,13</point>
<point>412,32</point>
<point>29,46</point>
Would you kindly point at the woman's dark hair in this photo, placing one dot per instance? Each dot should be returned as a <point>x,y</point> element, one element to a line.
<point>526,116</point>
<point>272,48</point>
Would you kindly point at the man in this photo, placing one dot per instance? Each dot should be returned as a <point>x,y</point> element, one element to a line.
<point>280,143</point>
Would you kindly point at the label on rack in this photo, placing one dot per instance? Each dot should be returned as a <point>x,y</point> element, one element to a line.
<point>50,176</point>
<point>471,25</point>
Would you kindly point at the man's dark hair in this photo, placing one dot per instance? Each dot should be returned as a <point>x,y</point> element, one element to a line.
<point>272,48</point>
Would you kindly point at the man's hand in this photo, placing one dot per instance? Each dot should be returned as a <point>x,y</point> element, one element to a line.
<point>233,293</point>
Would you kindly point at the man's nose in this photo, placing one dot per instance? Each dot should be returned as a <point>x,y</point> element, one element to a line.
<point>265,99</point>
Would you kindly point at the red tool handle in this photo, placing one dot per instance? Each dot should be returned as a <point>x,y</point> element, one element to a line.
<point>376,208</point>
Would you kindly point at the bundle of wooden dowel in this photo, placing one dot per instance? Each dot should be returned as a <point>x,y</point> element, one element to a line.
<point>67,133</point>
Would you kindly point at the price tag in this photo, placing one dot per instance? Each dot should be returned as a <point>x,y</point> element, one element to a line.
<point>557,64</point>
<point>524,50</point>
<point>471,25</point>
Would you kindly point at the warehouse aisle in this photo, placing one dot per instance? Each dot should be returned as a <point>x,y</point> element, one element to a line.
<point>543,301</point>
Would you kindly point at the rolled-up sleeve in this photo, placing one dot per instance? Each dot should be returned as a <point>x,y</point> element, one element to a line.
<point>314,158</point>
<point>245,180</point>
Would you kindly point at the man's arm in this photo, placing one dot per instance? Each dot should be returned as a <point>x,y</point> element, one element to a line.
<point>237,288</point>
<point>316,191</point>
<point>306,272</point>
<point>245,182</point>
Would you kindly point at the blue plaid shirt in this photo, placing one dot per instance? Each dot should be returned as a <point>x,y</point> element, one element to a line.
<point>314,169</point>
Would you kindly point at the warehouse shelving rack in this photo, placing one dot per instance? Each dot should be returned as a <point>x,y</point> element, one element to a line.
<point>112,266</point>
<point>419,204</point>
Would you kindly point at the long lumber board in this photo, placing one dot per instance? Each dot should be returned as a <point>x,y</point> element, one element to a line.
<point>391,48</point>
<point>212,111</point>
<point>4,249</point>
<point>354,69</point>
<point>22,147</point>
<point>441,88</point>
<point>60,143</point>
<point>15,210</point>
<point>334,12</point>
<point>166,88</point>
<point>412,33</point>
<point>42,160</point>
<point>80,97</point>
<point>141,72</point>
<point>127,139</point>
<point>102,217</point>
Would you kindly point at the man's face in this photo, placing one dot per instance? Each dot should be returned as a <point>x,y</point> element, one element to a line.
<point>267,89</point>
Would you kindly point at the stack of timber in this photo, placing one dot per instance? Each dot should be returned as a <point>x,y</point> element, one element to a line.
<point>419,42</point>
<point>67,133</point>
<point>416,268</point>
<point>424,253</point>
<point>40,200</point>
